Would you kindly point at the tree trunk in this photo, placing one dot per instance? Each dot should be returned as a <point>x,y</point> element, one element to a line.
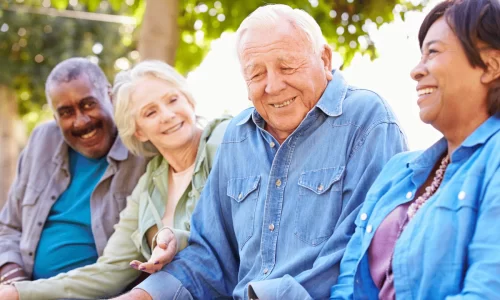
<point>10,140</point>
<point>159,35</point>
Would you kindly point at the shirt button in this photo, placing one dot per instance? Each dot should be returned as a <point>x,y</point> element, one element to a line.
<point>271,227</point>
<point>266,271</point>
<point>30,254</point>
<point>40,223</point>
<point>461,195</point>
<point>409,195</point>
<point>364,217</point>
<point>272,144</point>
<point>240,196</point>
<point>53,197</point>
<point>369,228</point>
<point>278,183</point>
<point>320,187</point>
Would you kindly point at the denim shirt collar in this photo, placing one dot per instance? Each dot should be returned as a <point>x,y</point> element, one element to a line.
<point>329,103</point>
<point>480,136</point>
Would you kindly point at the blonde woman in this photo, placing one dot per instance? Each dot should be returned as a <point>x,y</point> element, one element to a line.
<point>155,116</point>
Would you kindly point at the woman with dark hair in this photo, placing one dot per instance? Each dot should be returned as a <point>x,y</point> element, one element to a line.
<point>428,227</point>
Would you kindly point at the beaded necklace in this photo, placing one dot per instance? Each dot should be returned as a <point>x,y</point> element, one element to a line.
<point>430,190</point>
<point>417,204</point>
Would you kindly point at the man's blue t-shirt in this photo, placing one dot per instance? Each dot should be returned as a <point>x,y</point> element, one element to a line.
<point>67,241</point>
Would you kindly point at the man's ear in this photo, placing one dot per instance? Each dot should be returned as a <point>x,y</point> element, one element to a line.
<point>326,57</point>
<point>492,60</point>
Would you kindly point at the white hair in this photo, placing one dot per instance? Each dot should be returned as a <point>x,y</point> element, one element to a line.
<point>124,114</point>
<point>273,14</point>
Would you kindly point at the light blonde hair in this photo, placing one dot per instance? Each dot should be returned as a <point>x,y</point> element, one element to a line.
<point>122,90</point>
<point>272,14</point>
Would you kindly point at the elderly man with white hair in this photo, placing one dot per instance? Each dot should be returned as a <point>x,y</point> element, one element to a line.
<point>280,203</point>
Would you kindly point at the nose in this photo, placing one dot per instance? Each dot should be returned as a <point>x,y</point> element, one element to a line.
<point>275,83</point>
<point>81,120</point>
<point>419,71</point>
<point>166,114</point>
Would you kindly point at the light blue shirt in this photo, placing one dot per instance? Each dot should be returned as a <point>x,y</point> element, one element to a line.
<point>450,250</point>
<point>278,217</point>
<point>67,242</point>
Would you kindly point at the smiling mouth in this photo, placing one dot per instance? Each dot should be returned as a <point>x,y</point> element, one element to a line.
<point>426,91</point>
<point>283,104</point>
<point>89,135</point>
<point>173,129</point>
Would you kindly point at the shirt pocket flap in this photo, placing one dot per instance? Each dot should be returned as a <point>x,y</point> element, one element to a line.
<point>30,196</point>
<point>320,181</point>
<point>461,194</point>
<point>240,188</point>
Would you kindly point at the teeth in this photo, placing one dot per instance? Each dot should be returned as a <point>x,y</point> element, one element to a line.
<point>173,129</point>
<point>425,91</point>
<point>286,103</point>
<point>89,135</point>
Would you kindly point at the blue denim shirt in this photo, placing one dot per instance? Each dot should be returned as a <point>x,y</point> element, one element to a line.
<point>450,250</point>
<point>278,217</point>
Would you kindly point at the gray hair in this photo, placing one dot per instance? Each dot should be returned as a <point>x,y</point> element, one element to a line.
<point>122,90</point>
<point>71,69</point>
<point>272,14</point>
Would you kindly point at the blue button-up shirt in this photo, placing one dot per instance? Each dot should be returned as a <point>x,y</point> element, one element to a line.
<point>278,217</point>
<point>450,249</point>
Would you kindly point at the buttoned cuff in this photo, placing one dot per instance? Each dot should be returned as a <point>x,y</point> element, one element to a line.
<point>11,257</point>
<point>163,285</point>
<point>280,288</point>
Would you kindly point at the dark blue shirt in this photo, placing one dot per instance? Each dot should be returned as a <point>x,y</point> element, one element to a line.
<point>67,241</point>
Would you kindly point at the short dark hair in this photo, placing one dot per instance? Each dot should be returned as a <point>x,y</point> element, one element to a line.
<point>471,21</point>
<point>71,69</point>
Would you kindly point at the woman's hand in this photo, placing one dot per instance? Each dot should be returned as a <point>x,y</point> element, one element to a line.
<point>163,253</point>
<point>8,292</point>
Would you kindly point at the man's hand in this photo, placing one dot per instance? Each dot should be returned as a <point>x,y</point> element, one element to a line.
<point>8,292</point>
<point>135,294</point>
<point>162,254</point>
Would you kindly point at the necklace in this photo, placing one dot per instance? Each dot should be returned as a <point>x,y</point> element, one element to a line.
<point>415,206</point>
<point>430,190</point>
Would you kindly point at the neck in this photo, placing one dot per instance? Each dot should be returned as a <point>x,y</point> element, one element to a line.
<point>456,134</point>
<point>280,136</point>
<point>184,157</point>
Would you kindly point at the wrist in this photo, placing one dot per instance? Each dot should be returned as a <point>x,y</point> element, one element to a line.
<point>11,272</point>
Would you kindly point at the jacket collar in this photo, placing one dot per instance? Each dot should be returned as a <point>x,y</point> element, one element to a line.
<point>330,102</point>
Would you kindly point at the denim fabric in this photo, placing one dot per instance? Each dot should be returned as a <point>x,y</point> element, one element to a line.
<point>278,217</point>
<point>450,248</point>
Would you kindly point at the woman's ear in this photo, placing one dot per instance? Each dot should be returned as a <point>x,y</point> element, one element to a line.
<point>140,135</point>
<point>492,60</point>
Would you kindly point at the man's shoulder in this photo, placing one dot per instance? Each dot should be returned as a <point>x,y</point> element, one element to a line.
<point>44,139</point>
<point>239,126</point>
<point>366,102</point>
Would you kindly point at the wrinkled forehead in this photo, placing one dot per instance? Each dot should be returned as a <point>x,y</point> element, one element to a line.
<point>283,37</point>
<point>74,90</point>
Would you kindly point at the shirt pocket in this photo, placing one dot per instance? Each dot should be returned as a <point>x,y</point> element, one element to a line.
<point>244,192</point>
<point>319,204</point>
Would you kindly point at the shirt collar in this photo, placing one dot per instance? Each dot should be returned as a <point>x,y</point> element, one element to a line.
<point>479,137</point>
<point>118,151</point>
<point>483,132</point>
<point>330,102</point>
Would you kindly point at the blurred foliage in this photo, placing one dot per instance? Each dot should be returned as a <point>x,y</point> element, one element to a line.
<point>31,44</point>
